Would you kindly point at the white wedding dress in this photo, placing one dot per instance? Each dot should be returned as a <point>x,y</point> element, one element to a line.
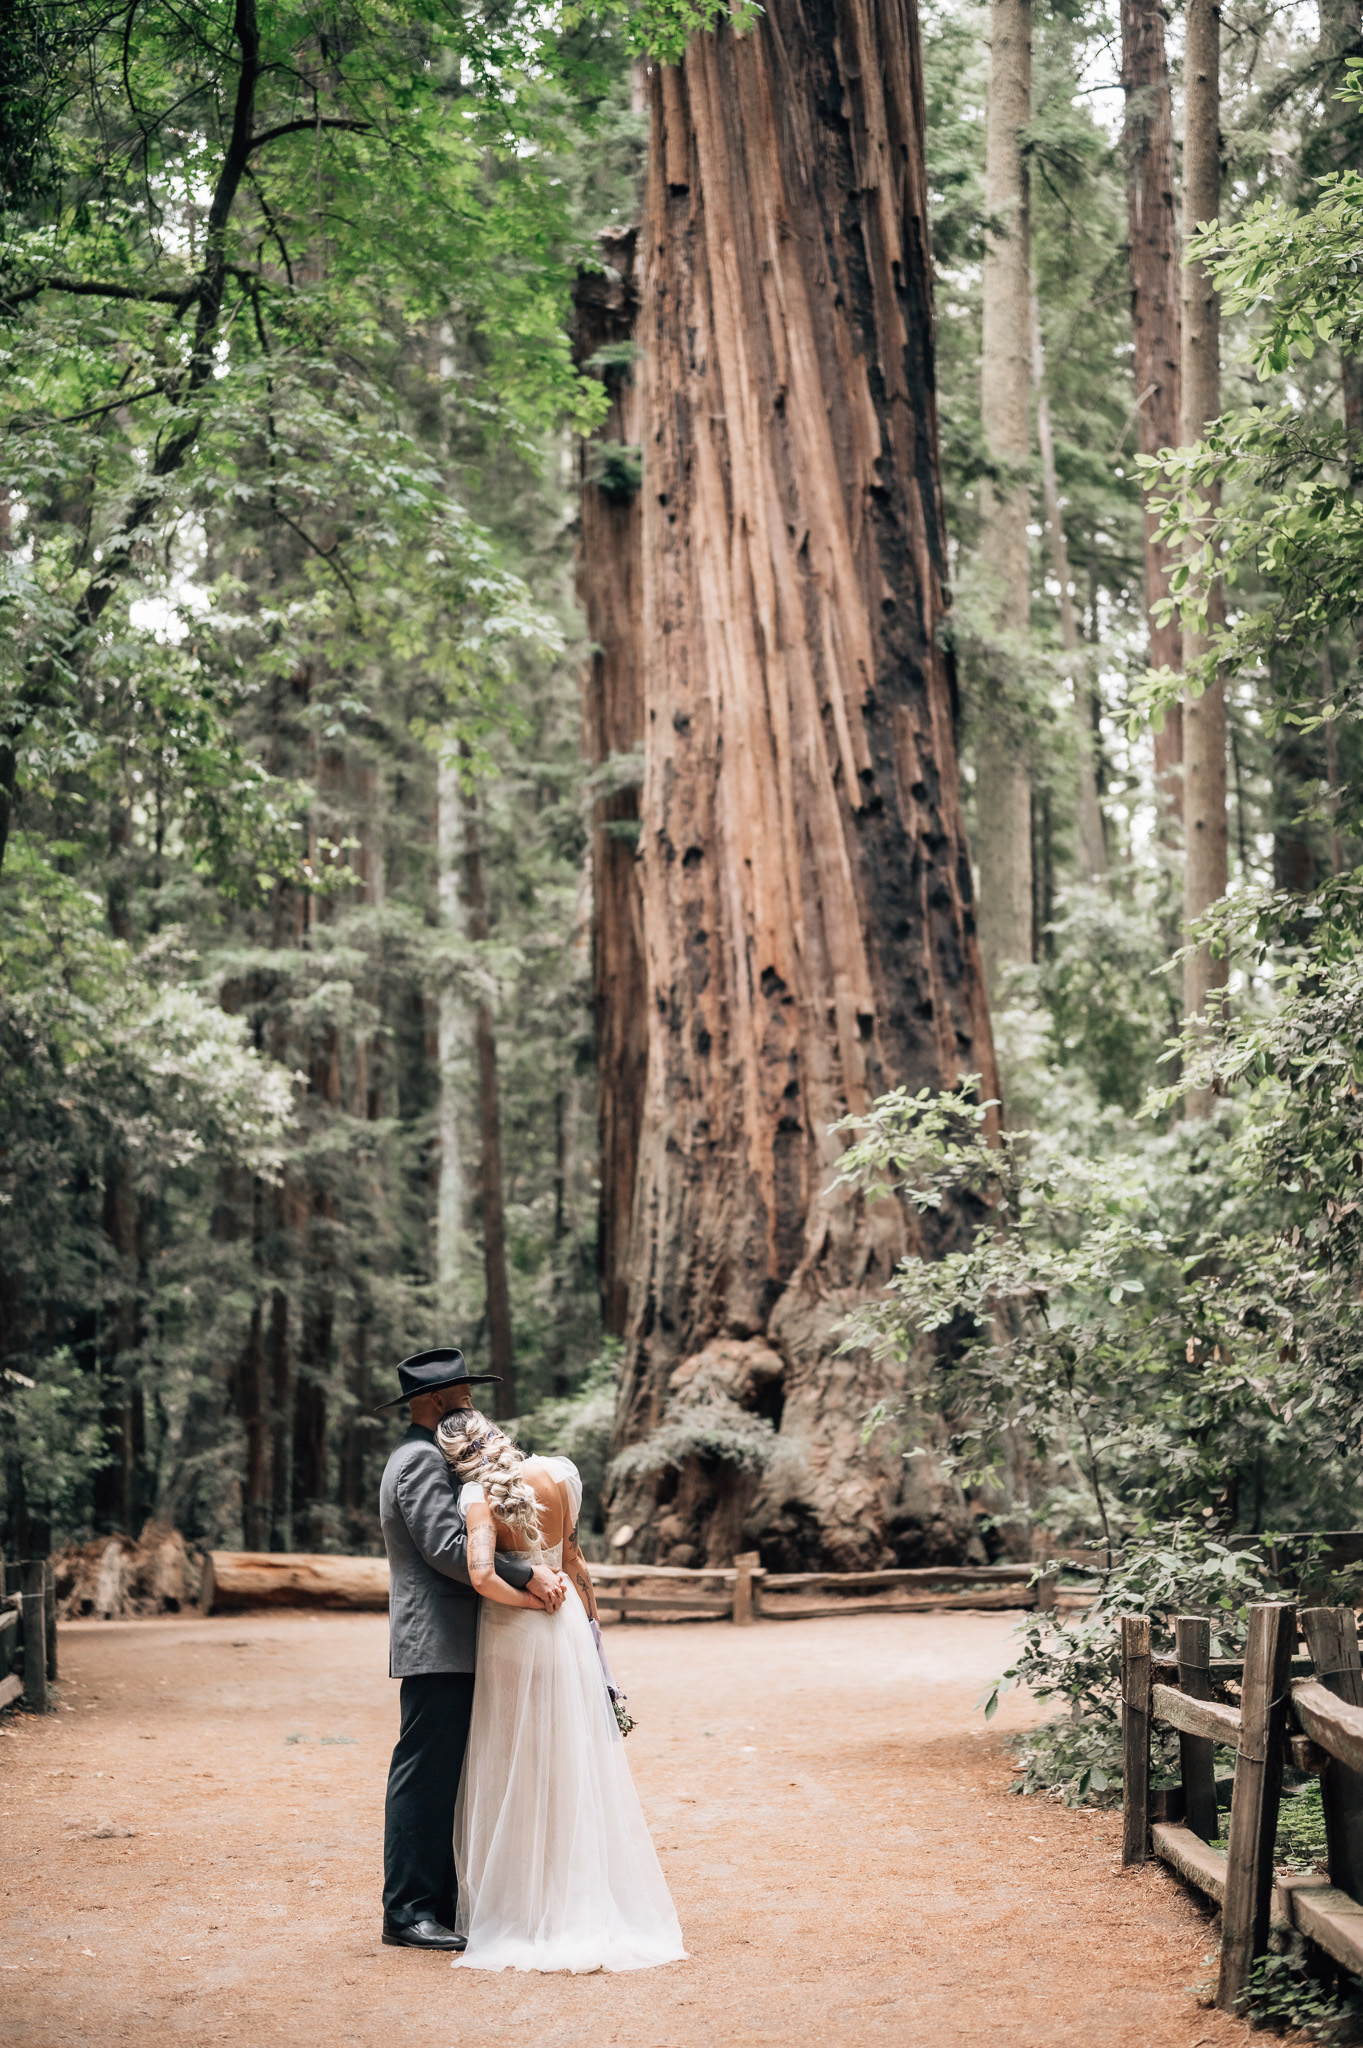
<point>557,1870</point>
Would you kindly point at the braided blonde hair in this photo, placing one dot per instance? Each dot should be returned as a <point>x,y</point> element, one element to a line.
<point>478,1450</point>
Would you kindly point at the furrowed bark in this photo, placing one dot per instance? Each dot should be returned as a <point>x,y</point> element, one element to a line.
<point>1206,851</point>
<point>808,914</point>
<point>1089,816</point>
<point>609,586</point>
<point>1003,808</point>
<point>1152,231</point>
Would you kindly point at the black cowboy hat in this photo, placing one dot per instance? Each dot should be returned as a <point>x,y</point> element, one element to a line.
<point>426,1372</point>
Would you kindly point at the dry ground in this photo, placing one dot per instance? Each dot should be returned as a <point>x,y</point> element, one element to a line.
<point>833,1818</point>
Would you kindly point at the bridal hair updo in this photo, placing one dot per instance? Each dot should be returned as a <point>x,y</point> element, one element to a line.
<point>478,1450</point>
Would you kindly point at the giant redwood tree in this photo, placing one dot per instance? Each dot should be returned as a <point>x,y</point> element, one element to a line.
<point>807,901</point>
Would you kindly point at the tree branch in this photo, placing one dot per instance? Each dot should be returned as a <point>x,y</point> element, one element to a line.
<point>209,293</point>
<point>95,412</point>
<point>92,288</point>
<point>298,127</point>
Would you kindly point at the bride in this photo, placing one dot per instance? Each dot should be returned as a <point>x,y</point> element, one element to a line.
<point>556,1867</point>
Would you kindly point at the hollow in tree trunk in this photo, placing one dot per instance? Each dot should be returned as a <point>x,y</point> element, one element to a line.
<point>808,915</point>
<point>1152,246</point>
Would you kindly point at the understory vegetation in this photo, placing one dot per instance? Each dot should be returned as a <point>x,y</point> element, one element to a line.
<point>293,810</point>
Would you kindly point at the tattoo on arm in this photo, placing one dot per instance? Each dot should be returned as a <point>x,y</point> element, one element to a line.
<point>482,1548</point>
<point>577,1565</point>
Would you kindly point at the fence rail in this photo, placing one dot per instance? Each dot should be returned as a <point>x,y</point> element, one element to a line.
<point>741,1592</point>
<point>1315,1722</point>
<point>28,1633</point>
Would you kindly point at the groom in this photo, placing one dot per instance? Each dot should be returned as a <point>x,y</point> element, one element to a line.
<point>433,1641</point>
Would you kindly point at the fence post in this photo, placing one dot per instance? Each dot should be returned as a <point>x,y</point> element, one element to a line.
<point>1254,1802</point>
<point>1135,1736</point>
<point>1197,1758</point>
<point>745,1564</point>
<point>33,1591</point>
<point>50,1620</point>
<point>1332,1638</point>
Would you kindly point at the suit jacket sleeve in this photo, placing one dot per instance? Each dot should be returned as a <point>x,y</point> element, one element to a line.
<point>437,1527</point>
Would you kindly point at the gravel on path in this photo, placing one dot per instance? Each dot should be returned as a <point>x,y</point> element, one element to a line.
<point>191,1850</point>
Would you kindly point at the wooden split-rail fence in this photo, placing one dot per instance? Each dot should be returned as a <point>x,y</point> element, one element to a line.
<point>1304,1711</point>
<point>742,1592</point>
<point>28,1633</point>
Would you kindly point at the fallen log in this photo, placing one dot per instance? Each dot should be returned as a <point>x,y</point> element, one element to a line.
<point>262,1578</point>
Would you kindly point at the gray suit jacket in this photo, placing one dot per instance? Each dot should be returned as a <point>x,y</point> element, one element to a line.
<point>432,1607</point>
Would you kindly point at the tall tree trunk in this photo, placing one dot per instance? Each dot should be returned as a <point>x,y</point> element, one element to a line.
<point>1152,244</point>
<point>497,1294</point>
<point>808,918</point>
<point>279,1350</point>
<point>1302,848</point>
<point>609,585</point>
<point>1341,37</point>
<point>1089,816</point>
<point>453,1033</point>
<point>1205,871</point>
<point>317,1317</point>
<point>1003,826</point>
<point>253,1406</point>
<point>238,1217</point>
<point>119,1485</point>
<point>120,1491</point>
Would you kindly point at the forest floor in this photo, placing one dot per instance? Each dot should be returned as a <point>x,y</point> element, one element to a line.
<point>191,1850</point>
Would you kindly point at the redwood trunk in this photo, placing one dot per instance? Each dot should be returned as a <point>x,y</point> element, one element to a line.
<point>1206,852</point>
<point>1088,811</point>
<point>501,1355</point>
<point>806,882</point>
<point>1152,232</point>
<point>1003,788</point>
<point>609,584</point>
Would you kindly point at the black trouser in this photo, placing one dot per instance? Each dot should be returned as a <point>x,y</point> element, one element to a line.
<point>423,1779</point>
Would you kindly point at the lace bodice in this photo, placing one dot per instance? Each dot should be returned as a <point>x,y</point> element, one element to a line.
<point>564,1473</point>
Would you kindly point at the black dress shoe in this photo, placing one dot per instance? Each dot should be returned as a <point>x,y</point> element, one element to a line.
<point>422,1934</point>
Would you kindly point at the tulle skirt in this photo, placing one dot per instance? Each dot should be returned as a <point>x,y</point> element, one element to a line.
<point>557,1870</point>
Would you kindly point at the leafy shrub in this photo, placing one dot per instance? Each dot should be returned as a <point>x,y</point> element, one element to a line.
<point>715,1429</point>
<point>1179,1570</point>
<point>1284,1994</point>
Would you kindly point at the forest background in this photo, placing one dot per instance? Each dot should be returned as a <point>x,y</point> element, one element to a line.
<point>299,1035</point>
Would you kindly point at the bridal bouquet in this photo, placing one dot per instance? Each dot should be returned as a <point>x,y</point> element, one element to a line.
<point>624,1720</point>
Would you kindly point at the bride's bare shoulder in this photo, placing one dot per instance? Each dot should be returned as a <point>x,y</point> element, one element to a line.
<point>541,1479</point>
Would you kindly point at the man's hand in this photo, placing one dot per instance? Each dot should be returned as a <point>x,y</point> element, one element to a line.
<point>546,1588</point>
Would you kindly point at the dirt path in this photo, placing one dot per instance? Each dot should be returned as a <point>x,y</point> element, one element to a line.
<point>832,1816</point>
